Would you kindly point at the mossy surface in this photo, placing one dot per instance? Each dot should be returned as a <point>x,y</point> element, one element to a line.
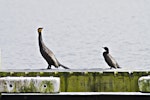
<point>4,74</point>
<point>87,81</point>
<point>46,87</point>
<point>144,84</point>
<point>27,85</point>
<point>17,74</point>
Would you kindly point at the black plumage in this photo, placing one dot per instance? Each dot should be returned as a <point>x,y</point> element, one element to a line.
<point>47,54</point>
<point>109,59</point>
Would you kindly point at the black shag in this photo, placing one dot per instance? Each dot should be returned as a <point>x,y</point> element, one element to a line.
<point>47,54</point>
<point>109,59</point>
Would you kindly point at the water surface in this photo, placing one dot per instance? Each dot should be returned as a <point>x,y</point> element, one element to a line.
<point>76,31</point>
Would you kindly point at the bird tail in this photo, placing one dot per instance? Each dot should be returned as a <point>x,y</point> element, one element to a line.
<point>64,66</point>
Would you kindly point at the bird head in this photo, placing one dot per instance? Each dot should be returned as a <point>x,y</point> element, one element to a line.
<point>106,48</point>
<point>40,30</point>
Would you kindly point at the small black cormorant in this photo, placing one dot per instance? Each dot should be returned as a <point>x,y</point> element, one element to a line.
<point>109,59</point>
<point>47,54</point>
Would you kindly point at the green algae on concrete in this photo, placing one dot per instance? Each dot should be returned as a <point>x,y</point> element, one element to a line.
<point>17,74</point>
<point>105,81</point>
<point>29,84</point>
<point>46,87</point>
<point>4,74</point>
<point>100,81</point>
<point>112,81</point>
<point>122,83</point>
<point>32,74</point>
<point>77,81</point>
<point>144,84</point>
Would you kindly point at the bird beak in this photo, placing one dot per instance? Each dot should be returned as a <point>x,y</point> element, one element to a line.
<point>40,29</point>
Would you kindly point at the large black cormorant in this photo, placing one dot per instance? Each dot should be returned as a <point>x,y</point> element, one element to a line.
<point>109,59</point>
<point>47,54</point>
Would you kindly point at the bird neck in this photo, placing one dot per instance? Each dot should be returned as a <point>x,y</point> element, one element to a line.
<point>107,51</point>
<point>40,39</point>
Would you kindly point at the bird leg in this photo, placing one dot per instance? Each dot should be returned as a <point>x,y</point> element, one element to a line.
<point>49,67</point>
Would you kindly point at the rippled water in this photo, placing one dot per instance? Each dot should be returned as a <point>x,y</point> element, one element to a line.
<point>76,31</point>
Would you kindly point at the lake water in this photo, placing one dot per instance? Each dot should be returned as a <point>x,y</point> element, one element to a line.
<point>76,31</point>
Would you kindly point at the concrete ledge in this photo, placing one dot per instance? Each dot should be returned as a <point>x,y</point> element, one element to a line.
<point>78,96</point>
<point>30,84</point>
<point>144,84</point>
<point>82,93</point>
<point>88,80</point>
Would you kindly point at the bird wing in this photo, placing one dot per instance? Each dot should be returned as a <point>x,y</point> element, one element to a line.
<point>113,61</point>
<point>52,56</point>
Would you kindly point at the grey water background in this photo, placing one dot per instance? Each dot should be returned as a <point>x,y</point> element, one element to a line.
<point>76,31</point>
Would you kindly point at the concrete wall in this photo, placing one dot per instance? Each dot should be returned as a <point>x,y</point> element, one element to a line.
<point>90,81</point>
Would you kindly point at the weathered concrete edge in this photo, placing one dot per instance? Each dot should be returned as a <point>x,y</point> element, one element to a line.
<point>82,93</point>
<point>103,81</point>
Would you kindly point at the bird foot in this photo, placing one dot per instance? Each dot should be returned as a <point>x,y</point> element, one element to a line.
<point>48,67</point>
